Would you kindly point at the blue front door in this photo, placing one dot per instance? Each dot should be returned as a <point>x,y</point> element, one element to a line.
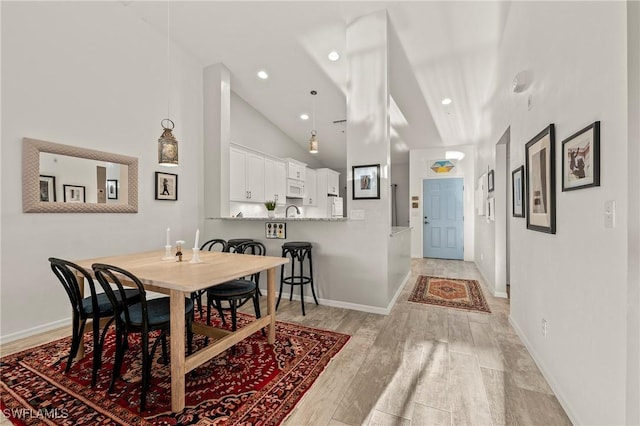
<point>443,222</point>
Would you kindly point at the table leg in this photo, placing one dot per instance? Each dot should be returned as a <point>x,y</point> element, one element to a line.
<point>271,303</point>
<point>177,350</point>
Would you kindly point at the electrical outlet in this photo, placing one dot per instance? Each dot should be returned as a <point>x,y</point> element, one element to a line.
<point>545,327</point>
<point>481,256</point>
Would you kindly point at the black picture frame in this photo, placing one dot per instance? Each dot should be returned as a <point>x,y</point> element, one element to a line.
<point>366,182</point>
<point>47,188</point>
<point>517,192</point>
<point>490,181</point>
<point>541,182</point>
<point>112,189</point>
<point>581,159</point>
<point>74,194</point>
<point>166,185</point>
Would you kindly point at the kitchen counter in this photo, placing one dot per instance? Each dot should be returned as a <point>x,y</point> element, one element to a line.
<point>280,219</point>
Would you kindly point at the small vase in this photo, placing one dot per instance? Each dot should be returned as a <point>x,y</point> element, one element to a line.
<point>271,213</point>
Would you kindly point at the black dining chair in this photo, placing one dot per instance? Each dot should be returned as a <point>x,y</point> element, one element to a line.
<point>237,292</point>
<point>95,306</point>
<point>215,244</point>
<point>143,317</point>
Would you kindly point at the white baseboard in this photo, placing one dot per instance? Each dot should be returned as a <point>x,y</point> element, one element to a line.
<point>491,285</point>
<point>8,338</point>
<point>349,305</point>
<point>545,373</point>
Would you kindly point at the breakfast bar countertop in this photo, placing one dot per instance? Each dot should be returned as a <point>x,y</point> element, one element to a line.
<point>297,219</point>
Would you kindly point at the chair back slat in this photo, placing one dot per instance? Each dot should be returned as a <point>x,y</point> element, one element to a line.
<point>255,248</point>
<point>214,245</point>
<point>107,274</point>
<point>66,272</point>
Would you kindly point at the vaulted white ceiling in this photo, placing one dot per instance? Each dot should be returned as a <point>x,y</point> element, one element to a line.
<point>437,50</point>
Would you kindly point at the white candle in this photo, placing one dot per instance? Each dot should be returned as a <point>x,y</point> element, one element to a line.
<point>197,238</point>
<point>168,238</point>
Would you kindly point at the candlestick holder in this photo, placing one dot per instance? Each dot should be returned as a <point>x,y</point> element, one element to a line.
<point>195,258</point>
<point>167,253</point>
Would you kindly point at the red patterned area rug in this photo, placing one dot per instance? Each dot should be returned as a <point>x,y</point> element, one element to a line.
<point>450,293</point>
<point>259,384</point>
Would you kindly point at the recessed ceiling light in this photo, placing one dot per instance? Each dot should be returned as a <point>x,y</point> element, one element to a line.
<point>333,56</point>
<point>263,74</point>
<point>446,101</point>
<point>304,116</point>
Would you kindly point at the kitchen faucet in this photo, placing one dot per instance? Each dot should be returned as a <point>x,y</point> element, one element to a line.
<point>286,212</point>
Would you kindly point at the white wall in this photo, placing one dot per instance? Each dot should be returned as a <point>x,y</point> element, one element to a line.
<point>575,279</point>
<point>251,129</point>
<point>419,162</point>
<point>633,239</point>
<point>69,76</point>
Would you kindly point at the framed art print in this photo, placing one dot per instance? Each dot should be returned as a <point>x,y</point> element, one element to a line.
<point>541,182</point>
<point>47,188</point>
<point>490,182</point>
<point>581,159</point>
<point>517,191</point>
<point>366,182</point>
<point>73,194</point>
<point>166,186</point>
<point>112,189</point>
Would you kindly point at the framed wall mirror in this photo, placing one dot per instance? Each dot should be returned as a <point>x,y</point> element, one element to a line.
<point>73,167</point>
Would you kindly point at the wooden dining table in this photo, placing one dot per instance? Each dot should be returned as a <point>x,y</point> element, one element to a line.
<point>179,280</point>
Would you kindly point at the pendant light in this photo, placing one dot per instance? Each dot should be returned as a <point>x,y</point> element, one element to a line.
<point>167,144</point>
<point>313,142</point>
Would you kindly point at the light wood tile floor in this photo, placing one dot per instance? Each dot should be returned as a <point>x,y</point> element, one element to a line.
<point>420,365</point>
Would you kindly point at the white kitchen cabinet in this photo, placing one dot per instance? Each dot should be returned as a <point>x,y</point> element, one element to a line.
<point>310,188</point>
<point>275,181</point>
<point>246,176</point>
<point>327,182</point>
<point>295,169</point>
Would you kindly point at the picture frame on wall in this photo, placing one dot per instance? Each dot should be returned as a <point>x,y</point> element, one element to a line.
<point>540,182</point>
<point>47,188</point>
<point>74,194</point>
<point>490,181</point>
<point>166,186</point>
<point>517,192</point>
<point>581,159</point>
<point>366,182</point>
<point>112,189</point>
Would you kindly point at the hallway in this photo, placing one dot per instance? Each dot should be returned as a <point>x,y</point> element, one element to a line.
<point>424,365</point>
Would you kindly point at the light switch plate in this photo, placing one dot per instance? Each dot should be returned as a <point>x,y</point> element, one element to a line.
<point>275,230</point>
<point>610,214</point>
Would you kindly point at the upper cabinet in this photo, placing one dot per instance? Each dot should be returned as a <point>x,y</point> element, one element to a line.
<point>295,169</point>
<point>275,181</point>
<point>328,182</point>
<point>310,188</point>
<point>247,178</point>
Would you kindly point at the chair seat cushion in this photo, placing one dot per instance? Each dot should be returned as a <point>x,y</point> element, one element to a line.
<point>158,310</point>
<point>235,288</point>
<point>104,305</point>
